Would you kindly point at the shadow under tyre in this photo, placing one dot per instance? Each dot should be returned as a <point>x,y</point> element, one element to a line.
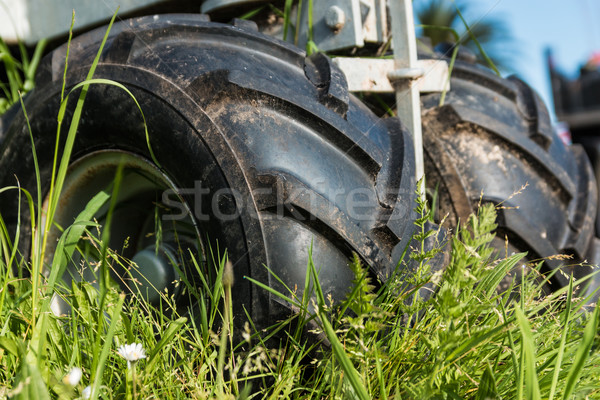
<point>261,152</point>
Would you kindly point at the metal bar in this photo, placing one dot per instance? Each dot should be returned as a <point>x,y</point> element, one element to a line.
<point>407,93</point>
<point>372,74</point>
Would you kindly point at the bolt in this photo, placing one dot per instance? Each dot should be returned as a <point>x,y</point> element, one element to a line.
<point>335,18</point>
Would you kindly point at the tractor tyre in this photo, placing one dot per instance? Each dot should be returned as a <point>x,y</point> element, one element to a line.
<point>492,141</point>
<point>260,148</point>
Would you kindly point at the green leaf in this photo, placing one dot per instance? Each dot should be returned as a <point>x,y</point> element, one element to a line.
<point>165,340</point>
<point>487,387</point>
<point>338,350</point>
<point>489,283</point>
<point>252,13</point>
<point>287,11</point>
<point>11,345</point>
<point>468,345</point>
<point>31,385</point>
<point>70,238</point>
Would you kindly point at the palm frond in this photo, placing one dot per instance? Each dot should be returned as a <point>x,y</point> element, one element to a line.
<point>493,33</point>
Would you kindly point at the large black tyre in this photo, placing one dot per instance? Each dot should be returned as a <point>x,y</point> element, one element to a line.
<point>491,137</point>
<point>285,157</point>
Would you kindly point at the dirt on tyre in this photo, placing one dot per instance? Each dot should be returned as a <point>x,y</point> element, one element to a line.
<point>261,152</point>
<point>492,137</point>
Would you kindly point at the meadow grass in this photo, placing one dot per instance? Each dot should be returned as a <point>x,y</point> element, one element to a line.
<point>467,340</point>
<point>19,71</point>
<point>423,333</point>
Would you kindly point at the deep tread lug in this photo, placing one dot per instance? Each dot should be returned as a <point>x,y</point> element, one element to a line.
<point>120,48</point>
<point>244,24</point>
<point>535,113</point>
<point>330,82</point>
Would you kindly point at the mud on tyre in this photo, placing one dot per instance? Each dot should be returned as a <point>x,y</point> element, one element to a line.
<point>491,137</point>
<point>265,146</point>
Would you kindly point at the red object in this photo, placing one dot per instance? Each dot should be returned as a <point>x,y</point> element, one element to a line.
<point>563,132</point>
<point>595,59</point>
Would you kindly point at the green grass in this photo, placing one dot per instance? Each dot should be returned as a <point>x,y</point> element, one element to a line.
<point>466,341</point>
<point>20,72</point>
<point>448,334</point>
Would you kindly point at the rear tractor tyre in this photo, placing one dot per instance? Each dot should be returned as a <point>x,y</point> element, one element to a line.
<point>490,138</point>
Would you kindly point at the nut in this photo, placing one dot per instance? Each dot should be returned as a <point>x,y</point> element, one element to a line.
<point>335,18</point>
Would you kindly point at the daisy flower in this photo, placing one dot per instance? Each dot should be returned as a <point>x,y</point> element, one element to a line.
<point>132,353</point>
<point>73,377</point>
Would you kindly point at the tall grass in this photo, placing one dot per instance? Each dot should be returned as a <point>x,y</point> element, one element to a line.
<point>423,333</point>
<point>20,72</point>
<point>469,340</point>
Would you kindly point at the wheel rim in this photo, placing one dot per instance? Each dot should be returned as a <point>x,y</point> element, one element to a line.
<point>137,230</point>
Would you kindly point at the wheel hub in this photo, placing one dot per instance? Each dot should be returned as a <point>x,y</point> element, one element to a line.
<point>137,230</point>
<point>156,272</point>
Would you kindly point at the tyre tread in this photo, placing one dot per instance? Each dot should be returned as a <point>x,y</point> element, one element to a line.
<point>529,146</point>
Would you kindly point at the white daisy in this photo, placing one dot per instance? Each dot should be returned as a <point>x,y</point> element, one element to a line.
<point>73,377</point>
<point>132,353</point>
<point>86,393</point>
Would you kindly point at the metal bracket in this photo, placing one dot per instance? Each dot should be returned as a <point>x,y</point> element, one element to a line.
<point>342,24</point>
<point>380,75</point>
<point>217,5</point>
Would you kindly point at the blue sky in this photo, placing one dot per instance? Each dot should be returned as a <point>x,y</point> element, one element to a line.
<point>571,28</point>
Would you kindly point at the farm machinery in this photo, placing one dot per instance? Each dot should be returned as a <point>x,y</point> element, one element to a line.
<point>226,138</point>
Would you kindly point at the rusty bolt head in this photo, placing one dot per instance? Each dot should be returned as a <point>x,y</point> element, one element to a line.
<point>335,18</point>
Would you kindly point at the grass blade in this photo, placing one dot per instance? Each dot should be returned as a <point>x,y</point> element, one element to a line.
<point>169,334</point>
<point>487,59</point>
<point>58,179</point>
<point>582,355</point>
<point>34,386</point>
<point>343,359</point>
<point>273,291</point>
<point>35,60</point>
<point>336,345</point>
<point>287,13</point>
<point>528,351</point>
<point>70,238</point>
<point>108,341</point>
<point>563,339</point>
<point>487,386</point>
